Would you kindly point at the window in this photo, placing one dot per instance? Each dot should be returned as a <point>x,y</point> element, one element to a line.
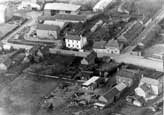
<point>77,46</point>
<point>68,45</point>
<point>68,12</point>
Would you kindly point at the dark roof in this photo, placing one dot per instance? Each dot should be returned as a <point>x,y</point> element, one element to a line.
<point>79,18</point>
<point>111,93</point>
<point>112,43</point>
<point>152,74</point>
<point>99,44</point>
<point>129,73</point>
<point>48,27</point>
<point>138,48</point>
<point>132,32</point>
<point>91,56</point>
<point>73,37</point>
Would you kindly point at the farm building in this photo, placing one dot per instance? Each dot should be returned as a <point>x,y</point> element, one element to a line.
<point>52,9</point>
<point>111,95</point>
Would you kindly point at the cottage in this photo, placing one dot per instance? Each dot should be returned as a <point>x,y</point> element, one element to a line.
<point>127,76</point>
<point>44,31</point>
<point>150,85</point>
<point>111,95</point>
<point>90,59</point>
<point>75,41</point>
<point>52,9</point>
<point>99,47</point>
<point>113,47</point>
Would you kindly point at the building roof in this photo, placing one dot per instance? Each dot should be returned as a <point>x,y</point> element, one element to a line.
<point>152,74</point>
<point>56,23</point>
<point>90,81</point>
<point>48,27</point>
<point>112,43</point>
<point>133,31</point>
<point>128,73</point>
<point>149,81</point>
<point>79,18</point>
<point>114,91</point>
<point>99,44</point>
<point>73,37</point>
<point>91,56</point>
<point>62,6</point>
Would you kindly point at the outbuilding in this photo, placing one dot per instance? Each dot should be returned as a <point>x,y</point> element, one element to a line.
<point>52,9</point>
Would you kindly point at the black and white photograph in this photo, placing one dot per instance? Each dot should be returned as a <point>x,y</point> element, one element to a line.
<point>81,57</point>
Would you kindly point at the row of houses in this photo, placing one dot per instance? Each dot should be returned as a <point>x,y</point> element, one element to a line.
<point>148,85</point>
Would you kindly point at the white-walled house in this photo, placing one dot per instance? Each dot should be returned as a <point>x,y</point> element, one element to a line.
<point>150,86</point>
<point>75,41</point>
<point>113,47</point>
<point>52,9</point>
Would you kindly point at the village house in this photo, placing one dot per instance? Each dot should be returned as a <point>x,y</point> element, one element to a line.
<point>44,31</point>
<point>89,59</point>
<point>52,9</point>
<point>113,47</point>
<point>99,47</point>
<point>110,96</point>
<point>75,41</point>
<point>150,85</point>
<point>127,76</point>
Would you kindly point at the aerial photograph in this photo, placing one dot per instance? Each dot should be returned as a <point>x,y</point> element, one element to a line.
<point>81,57</point>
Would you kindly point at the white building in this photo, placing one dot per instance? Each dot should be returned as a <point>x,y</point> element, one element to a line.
<point>6,13</point>
<point>75,41</point>
<point>52,9</point>
<point>113,47</point>
<point>150,86</point>
<point>102,5</point>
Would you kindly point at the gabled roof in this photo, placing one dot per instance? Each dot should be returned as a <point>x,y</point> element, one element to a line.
<point>112,43</point>
<point>152,74</point>
<point>73,37</point>
<point>133,31</point>
<point>62,6</point>
<point>48,27</point>
<point>99,44</point>
<point>128,73</point>
<point>91,56</point>
<point>114,91</point>
<point>149,81</point>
